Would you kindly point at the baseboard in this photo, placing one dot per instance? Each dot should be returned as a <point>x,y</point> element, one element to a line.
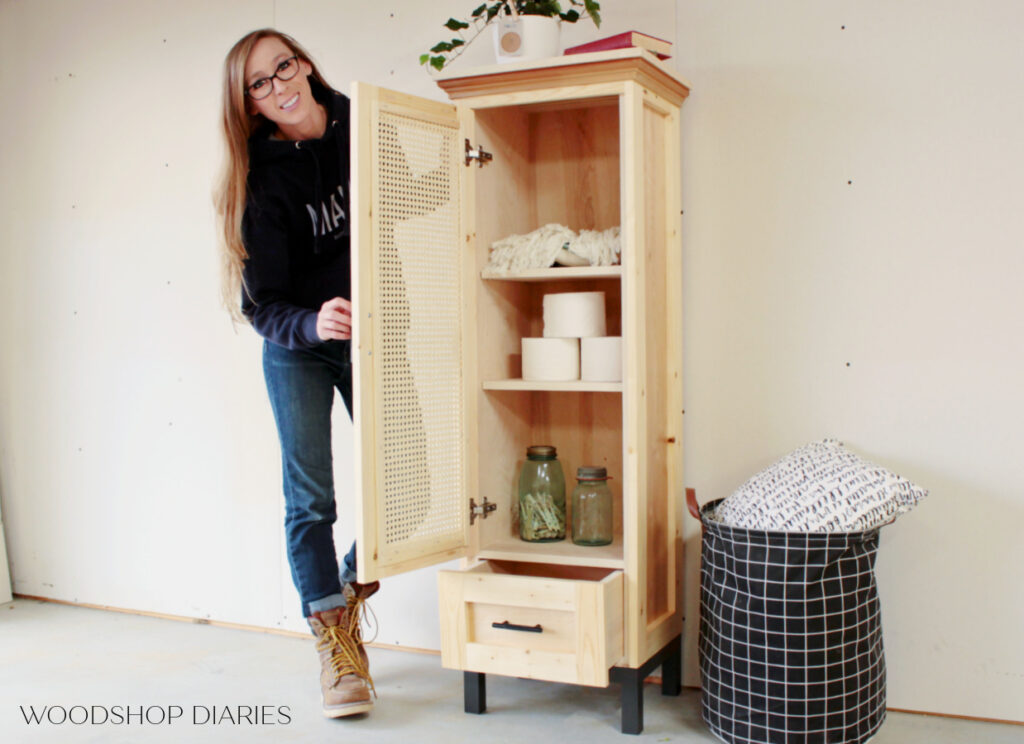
<point>215,623</point>
<point>5,574</point>
<point>979,719</point>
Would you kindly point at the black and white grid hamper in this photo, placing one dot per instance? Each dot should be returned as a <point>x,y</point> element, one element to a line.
<point>790,635</point>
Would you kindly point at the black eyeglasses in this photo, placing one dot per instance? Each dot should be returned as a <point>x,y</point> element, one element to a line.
<point>261,88</point>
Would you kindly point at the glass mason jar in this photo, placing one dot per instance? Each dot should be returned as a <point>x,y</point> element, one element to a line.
<point>592,522</point>
<point>541,496</point>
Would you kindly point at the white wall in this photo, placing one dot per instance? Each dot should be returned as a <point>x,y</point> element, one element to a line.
<point>138,458</point>
<point>886,312</point>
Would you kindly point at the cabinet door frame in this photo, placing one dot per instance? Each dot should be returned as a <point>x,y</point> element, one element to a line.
<point>375,560</point>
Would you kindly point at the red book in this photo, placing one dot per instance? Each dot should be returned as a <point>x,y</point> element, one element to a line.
<point>625,40</point>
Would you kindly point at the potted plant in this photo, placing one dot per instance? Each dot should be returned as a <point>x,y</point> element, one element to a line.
<point>515,24</point>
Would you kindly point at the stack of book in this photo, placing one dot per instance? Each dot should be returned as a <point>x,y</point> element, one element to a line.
<point>625,40</point>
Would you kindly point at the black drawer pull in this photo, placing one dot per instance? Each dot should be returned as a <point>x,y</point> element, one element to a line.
<point>524,628</point>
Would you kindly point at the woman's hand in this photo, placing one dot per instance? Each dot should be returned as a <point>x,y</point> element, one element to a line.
<point>334,321</point>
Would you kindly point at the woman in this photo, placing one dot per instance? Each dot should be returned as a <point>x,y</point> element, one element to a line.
<point>284,211</point>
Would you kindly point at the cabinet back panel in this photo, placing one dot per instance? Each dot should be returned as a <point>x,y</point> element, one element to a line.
<point>549,166</point>
<point>576,161</point>
<point>612,289</point>
<point>586,429</point>
<point>511,311</point>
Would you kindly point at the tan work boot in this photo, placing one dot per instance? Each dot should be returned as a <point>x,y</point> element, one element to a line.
<point>345,679</point>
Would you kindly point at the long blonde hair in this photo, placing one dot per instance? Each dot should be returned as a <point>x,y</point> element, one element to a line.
<point>237,125</point>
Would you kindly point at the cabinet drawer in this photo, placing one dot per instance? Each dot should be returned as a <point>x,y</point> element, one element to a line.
<point>556,623</point>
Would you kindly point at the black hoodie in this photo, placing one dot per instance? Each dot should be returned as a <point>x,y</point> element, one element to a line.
<point>296,227</point>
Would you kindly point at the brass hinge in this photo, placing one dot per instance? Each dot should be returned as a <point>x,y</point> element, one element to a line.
<point>479,154</point>
<point>481,510</point>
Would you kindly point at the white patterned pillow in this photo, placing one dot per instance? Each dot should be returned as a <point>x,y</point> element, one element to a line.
<point>822,487</point>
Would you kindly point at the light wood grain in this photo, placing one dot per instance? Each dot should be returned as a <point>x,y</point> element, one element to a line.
<point>511,548</point>
<point>531,100</point>
<point>363,99</point>
<point>558,273</point>
<point>579,620</point>
<point>578,386</point>
<point>634,350</point>
<point>576,159</point>
<point>379,555</point>
<point>558,72</point>
<point>470,330</point>
<point>658,331</point>
<point>590,143</point>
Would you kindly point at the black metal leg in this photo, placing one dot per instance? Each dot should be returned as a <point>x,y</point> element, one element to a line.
<point>474,686</point>
<point>670,659</point>
<point>632,701</point>
<point>672,668</point>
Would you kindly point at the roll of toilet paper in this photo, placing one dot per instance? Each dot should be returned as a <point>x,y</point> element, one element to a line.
<point>601,359</point>
<point>552,359</point>
<point>574,315</point>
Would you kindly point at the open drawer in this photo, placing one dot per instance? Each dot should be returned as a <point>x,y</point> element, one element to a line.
<point>539,621</point>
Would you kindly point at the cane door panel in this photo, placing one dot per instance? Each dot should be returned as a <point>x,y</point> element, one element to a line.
<point>408,290</point>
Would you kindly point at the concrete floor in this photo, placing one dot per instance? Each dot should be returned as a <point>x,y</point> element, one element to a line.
<point>58,655</point>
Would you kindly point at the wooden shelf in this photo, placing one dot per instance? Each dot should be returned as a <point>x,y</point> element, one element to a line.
<point>564,552</point>
<point>574,386</point>
<point>557,273</point>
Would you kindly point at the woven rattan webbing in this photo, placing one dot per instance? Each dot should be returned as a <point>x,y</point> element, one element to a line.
<point>418,338</point>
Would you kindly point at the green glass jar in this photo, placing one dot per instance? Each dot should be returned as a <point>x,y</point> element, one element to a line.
<point>541,496</point>
<point>592,521</point>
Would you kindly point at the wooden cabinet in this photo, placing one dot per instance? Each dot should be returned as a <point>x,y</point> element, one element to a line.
<point>442,414</point>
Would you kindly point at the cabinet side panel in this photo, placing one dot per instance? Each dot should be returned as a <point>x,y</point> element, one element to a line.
<point>634,344</point>
<point>659,325</point>
<point>453,620</point>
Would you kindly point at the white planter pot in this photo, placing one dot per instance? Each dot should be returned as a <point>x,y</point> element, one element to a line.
<point>527,37</point>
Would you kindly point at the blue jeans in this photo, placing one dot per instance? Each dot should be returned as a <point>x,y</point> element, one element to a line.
<point>301,385</point>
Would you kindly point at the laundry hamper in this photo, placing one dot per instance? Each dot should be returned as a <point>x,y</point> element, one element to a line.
<point>790,634</point>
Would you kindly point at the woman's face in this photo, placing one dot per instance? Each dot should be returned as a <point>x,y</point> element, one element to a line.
<point>290,104</point>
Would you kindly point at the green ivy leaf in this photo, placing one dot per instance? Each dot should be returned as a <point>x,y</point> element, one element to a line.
<point>424,58</point>
<point>594,11</point>
<point>441,46</point>
<point>454,24</point>
<point>493,11</point>
<point>479,11</point>
<point>547,8</point>
<point>437,62</point>
<point>457,42</point>
<point>571,17</point>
